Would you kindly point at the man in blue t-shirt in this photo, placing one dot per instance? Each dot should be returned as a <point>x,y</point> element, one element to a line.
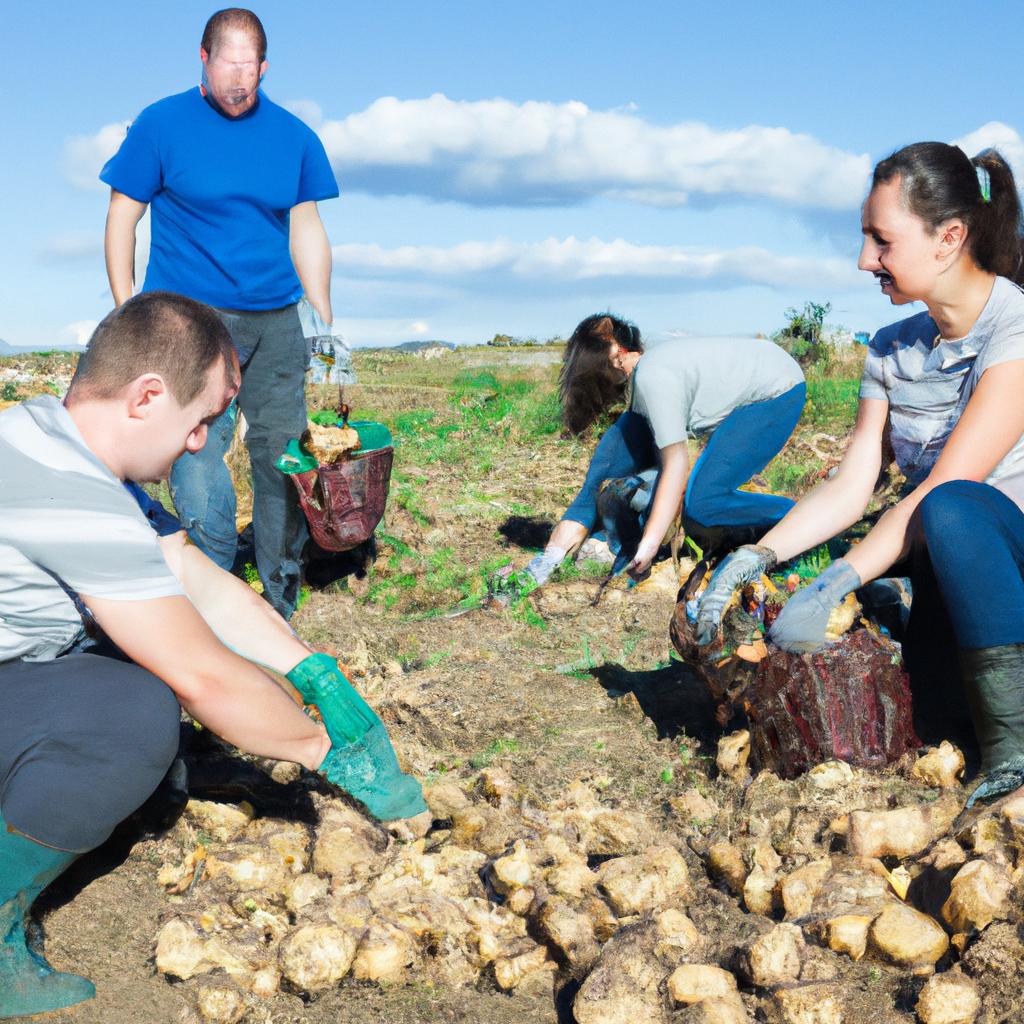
<point>233,181</point>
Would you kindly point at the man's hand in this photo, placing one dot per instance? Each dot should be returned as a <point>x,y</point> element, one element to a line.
<point>800,627</point>
<point>743,566</point>
<point>369,770</point>
<point>361,759</point>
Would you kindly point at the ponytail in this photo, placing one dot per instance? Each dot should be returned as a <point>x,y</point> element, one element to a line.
<point>994,226</point>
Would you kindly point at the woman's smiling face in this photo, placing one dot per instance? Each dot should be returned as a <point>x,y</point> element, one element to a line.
<point>899,248</point>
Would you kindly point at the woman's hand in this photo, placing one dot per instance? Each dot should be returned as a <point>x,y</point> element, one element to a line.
<point>800,627</point>
<point>645,552</point>
<point>742,566</point>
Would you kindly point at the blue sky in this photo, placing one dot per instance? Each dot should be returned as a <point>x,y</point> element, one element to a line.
<point>512,168</point>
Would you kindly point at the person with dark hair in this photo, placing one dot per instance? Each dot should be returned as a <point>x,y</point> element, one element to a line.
<point>946,384</point>
<point>743,394</point>
<point>233,182</point>
<point>86,734</point>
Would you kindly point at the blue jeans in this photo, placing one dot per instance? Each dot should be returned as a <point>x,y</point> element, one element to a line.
<point>273,356</point>
<point>741,445</point>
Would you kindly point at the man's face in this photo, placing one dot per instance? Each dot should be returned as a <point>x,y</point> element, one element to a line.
<point>176,429</point>
<point>233,71</point>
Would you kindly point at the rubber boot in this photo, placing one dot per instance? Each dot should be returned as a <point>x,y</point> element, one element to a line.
<point>994,683</point>
<point>28,984</point>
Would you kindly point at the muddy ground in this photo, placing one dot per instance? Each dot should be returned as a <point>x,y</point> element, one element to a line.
<point>563,691</point>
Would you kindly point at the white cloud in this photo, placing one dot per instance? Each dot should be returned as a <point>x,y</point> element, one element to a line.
<point>419,328</point>
<point>996,135</point>
<point>306,110</point>
<point>85,155</point>
<point>73,247</point>
<point>573,259</point>
<point>499,152</point>
<point>78,332</point>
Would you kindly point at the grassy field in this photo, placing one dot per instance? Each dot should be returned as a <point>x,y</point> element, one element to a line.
<point>478,439</point>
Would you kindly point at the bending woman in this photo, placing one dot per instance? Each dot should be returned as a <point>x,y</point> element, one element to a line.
<point>745,395</point>
<point>942,229</point>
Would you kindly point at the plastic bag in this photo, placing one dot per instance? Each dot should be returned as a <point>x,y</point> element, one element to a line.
<point>330,359</point>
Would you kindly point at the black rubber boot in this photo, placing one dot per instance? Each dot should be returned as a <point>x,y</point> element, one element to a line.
<point>994,684</point>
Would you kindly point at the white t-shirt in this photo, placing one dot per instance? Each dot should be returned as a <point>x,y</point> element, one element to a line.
<point>67,527</point>
<point>688,386</point>
<point>928,386</point>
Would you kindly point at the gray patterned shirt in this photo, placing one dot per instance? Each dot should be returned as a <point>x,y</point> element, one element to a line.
<point>928,385</point>
<point>67,526</point>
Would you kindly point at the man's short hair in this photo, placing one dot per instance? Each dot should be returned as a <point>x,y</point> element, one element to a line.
<point>234,18</point>
<point>155,332</point>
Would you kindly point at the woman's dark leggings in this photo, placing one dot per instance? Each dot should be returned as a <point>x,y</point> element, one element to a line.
<point>741,446</point>
<point>974,537</point>
<point>84,740</point>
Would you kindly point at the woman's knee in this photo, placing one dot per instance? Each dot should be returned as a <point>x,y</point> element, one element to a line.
<point>948,510</point>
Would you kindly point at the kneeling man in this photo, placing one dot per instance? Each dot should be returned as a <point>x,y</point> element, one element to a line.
<point>85,738</point>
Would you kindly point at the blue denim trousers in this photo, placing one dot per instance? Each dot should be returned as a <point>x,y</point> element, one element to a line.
<point>741,445</point>
<point>273,357</point>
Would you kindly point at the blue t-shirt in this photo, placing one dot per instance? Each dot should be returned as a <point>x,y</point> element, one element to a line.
<point>220,191</point>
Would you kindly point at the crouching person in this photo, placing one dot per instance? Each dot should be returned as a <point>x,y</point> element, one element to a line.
<point>741,395</point>
<point>85,738</point>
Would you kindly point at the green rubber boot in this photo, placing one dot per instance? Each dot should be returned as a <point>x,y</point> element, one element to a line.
<point>28,984</point>
<point>994,681</point>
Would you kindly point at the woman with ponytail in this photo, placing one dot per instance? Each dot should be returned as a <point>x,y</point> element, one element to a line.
<point>743,394</point>
<point>947,385</point>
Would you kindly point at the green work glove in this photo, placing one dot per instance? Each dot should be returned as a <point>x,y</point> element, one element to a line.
<point>361,759</point>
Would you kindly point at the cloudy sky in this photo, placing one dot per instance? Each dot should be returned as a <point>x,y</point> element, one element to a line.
<point>511,168</point>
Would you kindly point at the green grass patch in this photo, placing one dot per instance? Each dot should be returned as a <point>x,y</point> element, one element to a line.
<point>497,748</point>
<point>831,403</point>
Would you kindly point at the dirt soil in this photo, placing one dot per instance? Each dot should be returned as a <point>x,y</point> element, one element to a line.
<point>571,691</point>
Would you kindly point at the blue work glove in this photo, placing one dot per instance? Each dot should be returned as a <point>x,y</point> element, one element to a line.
<point>800,627</point>
<point>361,759</point>
<point>743,566</point>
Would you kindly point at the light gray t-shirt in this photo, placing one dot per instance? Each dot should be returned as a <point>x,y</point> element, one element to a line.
<point>928,385</point>
<point>67,527</point>
<point>688,386</point>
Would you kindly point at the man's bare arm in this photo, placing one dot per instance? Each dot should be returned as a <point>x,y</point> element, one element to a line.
<point>123,216</point>
<point>311,254</point>
<point>227,694</point>
<point>236,614</point>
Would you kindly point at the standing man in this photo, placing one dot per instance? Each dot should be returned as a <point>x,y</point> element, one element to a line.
<point>233,180</point>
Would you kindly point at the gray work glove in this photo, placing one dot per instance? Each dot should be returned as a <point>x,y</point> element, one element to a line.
<point>800,627</point>
<point>543,565</point>
<point>743,566</point>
